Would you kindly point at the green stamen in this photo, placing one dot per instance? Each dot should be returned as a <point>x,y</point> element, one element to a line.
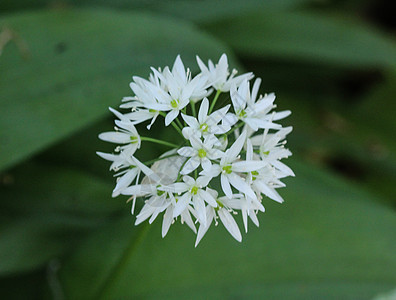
<point>201,153</point>
<point>194,190</point>
<point>174,103</point>
<point>242,114</point>
<point>227,169</point>
<point>204,127</point>
<point>220,205</point>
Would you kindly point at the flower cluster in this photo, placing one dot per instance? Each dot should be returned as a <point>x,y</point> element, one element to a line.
<point>227,157</point>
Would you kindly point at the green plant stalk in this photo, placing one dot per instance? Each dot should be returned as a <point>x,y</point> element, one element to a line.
<point>152,140</point>
<point>214,101</point>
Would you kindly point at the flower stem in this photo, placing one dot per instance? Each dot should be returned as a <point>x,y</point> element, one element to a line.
<point>148,139</point>
<point>181,168</point>
<point>193,109</point>
<point>179,123</point>
<point>235,128</point>
<point>177,128</point>
<point>214,101</point>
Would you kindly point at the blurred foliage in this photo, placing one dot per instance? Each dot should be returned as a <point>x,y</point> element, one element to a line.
<point>62,63</point>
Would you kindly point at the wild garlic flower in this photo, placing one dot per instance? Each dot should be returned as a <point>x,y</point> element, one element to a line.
<point>227,158</point>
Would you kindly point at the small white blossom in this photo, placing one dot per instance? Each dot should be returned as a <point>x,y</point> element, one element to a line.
<point>193,192</point>
<point>206,124</point>
<point>225,216</point>
<point>201,153</point>
<point>219,76</point>
<point>254,112</point>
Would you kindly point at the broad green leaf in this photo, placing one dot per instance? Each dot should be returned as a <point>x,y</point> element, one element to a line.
<point>329,240</point>
<point>308,37</point>
<point>46,210</point>
<point>75,64</point>
<point>198,11</point>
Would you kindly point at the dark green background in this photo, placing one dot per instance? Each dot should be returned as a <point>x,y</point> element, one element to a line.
<point>62,236</point>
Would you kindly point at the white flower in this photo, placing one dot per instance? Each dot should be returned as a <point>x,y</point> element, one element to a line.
<point>139,114</point>
<point>206,124</point>
<point>272,150</point>
<point>125,134</point>
<point>225,216</point>
<point>180,90</point>
<point>254,113</point>
<point>193,192</point>
<point>131,170</point>
<point>230,166</point>
<point>201,153</point>
<point>248,206</point>
<point>218,76</point>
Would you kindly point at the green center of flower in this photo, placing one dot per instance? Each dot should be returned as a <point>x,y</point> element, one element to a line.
<point>227,169</point>
<point>194,190</point>
<point>242,114</point>
<point>201,153</point>
<point>204,127</point>
<point>220,205</point>
<point>265,152</point>
<point>134,139</point>
<point>174,103</point>
<point>254,173</point>
<point>160,193</point>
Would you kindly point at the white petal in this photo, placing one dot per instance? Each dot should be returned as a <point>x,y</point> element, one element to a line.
<point>230,224</point>
<point>202,181</point>
<point>236,148</point>
<point>186,151</point>
<point>199,206</point>
<point>191,121</point>
<point>190,165</point>
<point>282,167</point>
<point>204,228</point>
<point>177,187</point>
<point>203,110</point>
<point>241,185</point>
<point>206,196</point>
<point>269,192</point>
<point>181,204</point>
<point>124,181</point>
<point>206,164</point>
<point>248,166</point>
<point>167,221</point>
<point>253,217</point>
<point>186,217</point>
<point>225,185</point>
<point>147,171</point>
<point>189,180</point>
<point>171,116</point>
<point>281,115</point>
<point>115,137</point>
<point>244,218</point>
<point>144,214</point>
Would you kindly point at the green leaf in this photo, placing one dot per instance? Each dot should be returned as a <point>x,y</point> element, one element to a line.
<point>67,75</point>
<point>317,245</point>
<point>46,210</point>
<point>199,11</point>
<point>308,37</point>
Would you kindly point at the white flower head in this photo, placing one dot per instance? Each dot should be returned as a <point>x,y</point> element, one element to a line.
<point>224,159</point>
<point>219,76</point>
